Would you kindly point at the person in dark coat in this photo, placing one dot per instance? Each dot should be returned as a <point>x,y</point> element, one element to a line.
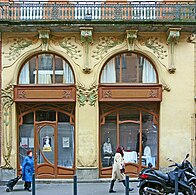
<point>28,170</point>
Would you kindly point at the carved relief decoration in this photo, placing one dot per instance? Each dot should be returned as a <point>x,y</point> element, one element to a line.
<point>86,40</point>
<point>107,94</point>
<point>44,35</point>
<point>85,94</point>
<point>7,101</point>
<point>71,48</point>
<point>192,38</point>
<point>106,43</point>
<point>165,86</point>
<point>156,46</point>
<point>131,37</point>
<point>82,162</point>
<point>16,48</point>
<point>172,39</point>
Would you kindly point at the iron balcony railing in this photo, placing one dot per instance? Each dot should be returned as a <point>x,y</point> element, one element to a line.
<point>98,11</point>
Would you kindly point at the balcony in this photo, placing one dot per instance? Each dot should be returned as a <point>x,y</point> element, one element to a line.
<point>97,12</point>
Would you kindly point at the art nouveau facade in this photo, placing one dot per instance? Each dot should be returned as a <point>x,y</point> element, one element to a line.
<point>73,90</point>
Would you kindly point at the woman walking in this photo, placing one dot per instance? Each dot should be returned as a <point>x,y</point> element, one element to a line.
<point>28,170</point>
<point>118,170</point>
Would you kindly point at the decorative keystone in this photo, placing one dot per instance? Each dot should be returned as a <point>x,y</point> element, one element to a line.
<point>131,37</point>
<point>44,36</point>
<point>173,37</point>
<point>86,39</point>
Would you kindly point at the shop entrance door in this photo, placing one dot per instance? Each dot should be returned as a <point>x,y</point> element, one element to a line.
<point>46,149</point>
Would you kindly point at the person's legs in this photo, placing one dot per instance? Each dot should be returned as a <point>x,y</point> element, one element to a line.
<point>25,185</point>
<point>111,187</point>
<point>130,189</point>
<point>28,186</point>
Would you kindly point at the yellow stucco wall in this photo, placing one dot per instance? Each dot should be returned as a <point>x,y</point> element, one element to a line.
<point>176,110</point>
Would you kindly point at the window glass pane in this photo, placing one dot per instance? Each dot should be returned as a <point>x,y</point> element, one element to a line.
<point>129,70</point>
<point>45,69</point>
<point>45,116</point>
<point>58,70</point>
<point>108,140</point>
<point>128,139</point>
<point>26,136</point>
<point>130,114</point>
<point>67,73</point>
<point>27,74</point>
<point>148,74</point>
<point>110,73</point>
<point>65,144</point>
<point>45,152</point>
<point>62,70</point>
<point>134,69</point>
<point>63,117</point>
<point>150,139</point>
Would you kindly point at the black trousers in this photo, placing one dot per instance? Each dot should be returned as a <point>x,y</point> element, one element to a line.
<point>27,185</point>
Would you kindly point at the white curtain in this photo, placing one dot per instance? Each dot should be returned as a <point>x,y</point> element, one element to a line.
<point>109,72</point>
<point>24,75</point>
<point>44,77</point>
<point>148,73</point>
<point>67,74</point>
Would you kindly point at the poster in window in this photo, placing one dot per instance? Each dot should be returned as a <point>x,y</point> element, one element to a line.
<point>65,142</point>
<point>24,142</point>
<point>31,142</point>
<point>47,147</point>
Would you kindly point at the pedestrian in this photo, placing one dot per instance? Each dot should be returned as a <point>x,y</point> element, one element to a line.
<point>118,169</point>
<point>28,170</point>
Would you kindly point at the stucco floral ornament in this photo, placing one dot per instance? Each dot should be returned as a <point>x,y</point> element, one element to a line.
<point>7,101</point>
<point>85,94</point>
<point>106,43</point>
<point>19,44</point>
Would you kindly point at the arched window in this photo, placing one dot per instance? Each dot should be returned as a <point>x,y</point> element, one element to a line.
<point>46,69</point>
<point>128,68</point>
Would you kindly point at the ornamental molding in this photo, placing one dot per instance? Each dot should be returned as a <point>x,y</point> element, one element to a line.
<point>165,86</point>
<point>17,46</point>
<point>7,102</point>
<point>154,44</point>
<point>192,38</point>
<point>87,40</point>
<point>106,43</point>
<point>85,94</point>
<point>66,94</point>
<point>172,39</point>
<point>131,38</point>
<point>107,94</point>
<point>69,44</point>
<point>44,36</point>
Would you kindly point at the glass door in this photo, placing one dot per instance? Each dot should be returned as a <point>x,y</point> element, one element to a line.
<point>45,150</point>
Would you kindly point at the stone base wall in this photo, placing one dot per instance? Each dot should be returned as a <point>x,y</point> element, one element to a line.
<point>7,174</point>
<point>87,173</point>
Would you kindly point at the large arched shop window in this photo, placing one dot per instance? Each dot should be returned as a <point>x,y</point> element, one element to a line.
<point>64,120</point>
<point>124,123</point>
<point>46,68</point>
<point>128,68</point>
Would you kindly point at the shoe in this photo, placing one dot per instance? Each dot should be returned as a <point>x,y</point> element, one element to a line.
<point>112,191</point>
<point>29,190</point>
<point>131,189</point>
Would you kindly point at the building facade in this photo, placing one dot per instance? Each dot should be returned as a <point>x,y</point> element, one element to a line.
<point>79,79</point>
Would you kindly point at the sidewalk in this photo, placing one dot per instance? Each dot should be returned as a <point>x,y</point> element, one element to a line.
<point>93,188</point>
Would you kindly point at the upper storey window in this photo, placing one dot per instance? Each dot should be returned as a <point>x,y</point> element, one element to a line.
<point>128,68</point>
<point>46,69</point>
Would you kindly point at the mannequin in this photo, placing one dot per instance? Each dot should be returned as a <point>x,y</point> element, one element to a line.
<point>107,148</point>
